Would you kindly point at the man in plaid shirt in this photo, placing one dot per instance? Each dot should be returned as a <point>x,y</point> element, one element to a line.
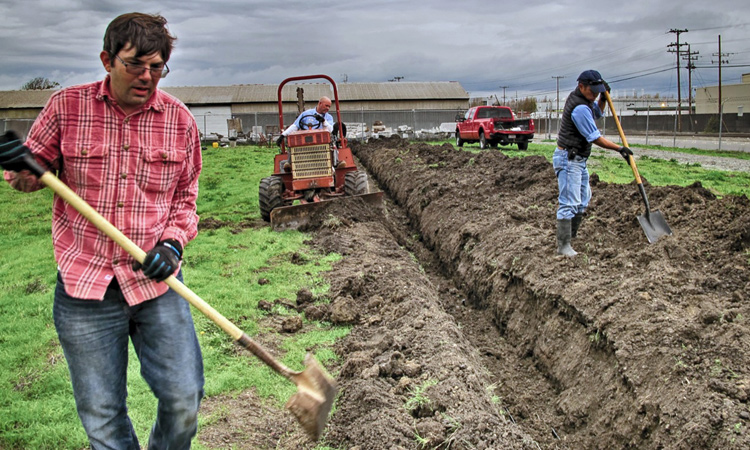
<point>133,153</point>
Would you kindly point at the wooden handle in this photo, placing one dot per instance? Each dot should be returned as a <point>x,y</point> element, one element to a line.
<point>136,252</point>
<point>631,159</point>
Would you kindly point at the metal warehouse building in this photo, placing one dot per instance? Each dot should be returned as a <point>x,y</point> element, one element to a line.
<point>414,104</point>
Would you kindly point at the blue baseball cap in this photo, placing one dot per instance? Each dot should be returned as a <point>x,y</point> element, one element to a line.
<point>594,79</point>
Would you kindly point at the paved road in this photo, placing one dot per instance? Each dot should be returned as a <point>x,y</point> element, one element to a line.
<point>699,142</point>
<point>741,144</point>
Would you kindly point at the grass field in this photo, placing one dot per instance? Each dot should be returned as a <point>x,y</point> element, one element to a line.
<point>223,266</point>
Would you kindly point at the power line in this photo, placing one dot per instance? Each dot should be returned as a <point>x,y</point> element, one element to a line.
<point>724,65</point>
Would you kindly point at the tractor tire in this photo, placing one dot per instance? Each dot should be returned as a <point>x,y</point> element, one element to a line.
<point>355,183</point>
<point>482,141</point>
<point>269,196</point>
<point>459,141</point>
<point>523,145</point>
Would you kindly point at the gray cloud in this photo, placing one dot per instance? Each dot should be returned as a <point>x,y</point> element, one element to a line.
<point>483,45</point>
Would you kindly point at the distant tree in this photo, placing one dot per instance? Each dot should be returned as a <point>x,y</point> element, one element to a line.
<point>477,101</point>
<point>526,105</point>
<point>39,83</point>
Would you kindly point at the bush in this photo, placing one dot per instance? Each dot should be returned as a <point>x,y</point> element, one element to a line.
<point>712,126</point>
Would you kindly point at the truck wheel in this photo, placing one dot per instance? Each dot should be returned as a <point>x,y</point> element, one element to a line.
<point>523,145</point>
<point>269,196</point>
<point>459,141</point>
<point>355,183</point>
<point>482,140</point>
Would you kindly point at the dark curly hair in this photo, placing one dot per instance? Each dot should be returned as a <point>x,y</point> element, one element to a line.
<point>147,33</point>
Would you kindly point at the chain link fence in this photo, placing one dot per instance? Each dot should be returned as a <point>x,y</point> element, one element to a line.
<point>439,123</point>
<point>359,122</point>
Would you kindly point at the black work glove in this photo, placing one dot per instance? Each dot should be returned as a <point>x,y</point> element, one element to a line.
<point>280,140</point>
<point>14,155</point>
<point>319,118</point>
<point>161,261</point>
<point>625,152</point>
<point>606,86</point>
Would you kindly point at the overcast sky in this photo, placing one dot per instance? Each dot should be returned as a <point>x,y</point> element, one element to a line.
<point>482,44</point>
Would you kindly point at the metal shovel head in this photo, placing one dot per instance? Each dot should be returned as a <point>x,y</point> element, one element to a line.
<point>654,226</point>
<point>314,399</point>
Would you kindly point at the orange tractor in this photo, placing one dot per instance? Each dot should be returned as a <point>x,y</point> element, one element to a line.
<point>312,167</point>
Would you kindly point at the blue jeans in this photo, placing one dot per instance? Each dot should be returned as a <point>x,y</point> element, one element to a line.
<point>94,337</point>
<point>573,184</point>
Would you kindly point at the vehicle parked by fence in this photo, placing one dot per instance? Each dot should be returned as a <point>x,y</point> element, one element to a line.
<point>493,126</point>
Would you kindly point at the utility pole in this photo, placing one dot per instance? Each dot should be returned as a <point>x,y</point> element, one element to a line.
<point>691,56</point>
<point>503,88</point>
<point>679,88</point>
<point>557,110</point>
<point>720,55</point>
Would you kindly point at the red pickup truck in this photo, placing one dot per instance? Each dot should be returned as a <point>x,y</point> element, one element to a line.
<point>493,125</point>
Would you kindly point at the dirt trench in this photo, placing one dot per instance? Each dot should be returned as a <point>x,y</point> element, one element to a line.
<point>467,331</point>
<point>639,345</point>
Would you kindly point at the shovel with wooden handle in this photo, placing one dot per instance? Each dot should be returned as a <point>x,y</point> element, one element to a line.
<point>316,389</point>
<point>652,222</point>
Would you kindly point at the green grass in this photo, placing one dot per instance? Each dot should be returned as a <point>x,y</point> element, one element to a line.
<point>222,265</point>
<point>658,172</point>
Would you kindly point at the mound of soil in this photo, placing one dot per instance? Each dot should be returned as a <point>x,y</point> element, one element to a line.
<point>644,345</point>
<point>469,332</point>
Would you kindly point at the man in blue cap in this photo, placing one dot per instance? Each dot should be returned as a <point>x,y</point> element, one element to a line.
<point>577,133</point>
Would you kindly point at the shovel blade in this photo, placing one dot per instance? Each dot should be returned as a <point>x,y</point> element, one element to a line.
<point>312,403</point>
<point>654,225</point>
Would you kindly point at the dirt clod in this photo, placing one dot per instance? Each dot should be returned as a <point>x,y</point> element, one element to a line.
<point>304,297</point>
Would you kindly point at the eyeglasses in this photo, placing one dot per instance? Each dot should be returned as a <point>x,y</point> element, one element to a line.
<point>137,69</point>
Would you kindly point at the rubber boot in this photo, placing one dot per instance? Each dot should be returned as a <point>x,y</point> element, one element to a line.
<point>563,238</point>
<point>575,223</point>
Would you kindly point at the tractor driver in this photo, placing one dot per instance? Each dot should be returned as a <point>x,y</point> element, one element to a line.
<point>312,119</point>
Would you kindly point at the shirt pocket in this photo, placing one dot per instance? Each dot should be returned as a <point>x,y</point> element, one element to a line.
<point>161,169</point>
<point>84,165</point>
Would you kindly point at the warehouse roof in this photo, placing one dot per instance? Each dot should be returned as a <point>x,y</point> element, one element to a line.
<point>25,99</point>
<point>264,93</point>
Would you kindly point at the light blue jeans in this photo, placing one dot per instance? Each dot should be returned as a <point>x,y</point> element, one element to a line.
<point>94,337</point>
<point>573,184</point>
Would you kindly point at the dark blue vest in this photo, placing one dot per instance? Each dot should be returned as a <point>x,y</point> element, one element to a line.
<point>569,138</point>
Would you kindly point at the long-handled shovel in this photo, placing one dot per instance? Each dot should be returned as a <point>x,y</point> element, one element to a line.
<point>316,389</point>
<point>652,222</point>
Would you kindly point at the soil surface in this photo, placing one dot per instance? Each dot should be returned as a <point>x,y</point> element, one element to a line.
<point>468,332</point>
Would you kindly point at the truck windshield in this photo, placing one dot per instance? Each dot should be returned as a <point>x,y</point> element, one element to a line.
<point>493,113</point>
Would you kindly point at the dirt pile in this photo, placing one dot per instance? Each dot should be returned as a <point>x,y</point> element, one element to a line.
<point>645,345</point>
<point>468,331</point>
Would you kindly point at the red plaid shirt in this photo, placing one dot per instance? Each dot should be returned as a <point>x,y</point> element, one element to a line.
<point>138,171</point>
